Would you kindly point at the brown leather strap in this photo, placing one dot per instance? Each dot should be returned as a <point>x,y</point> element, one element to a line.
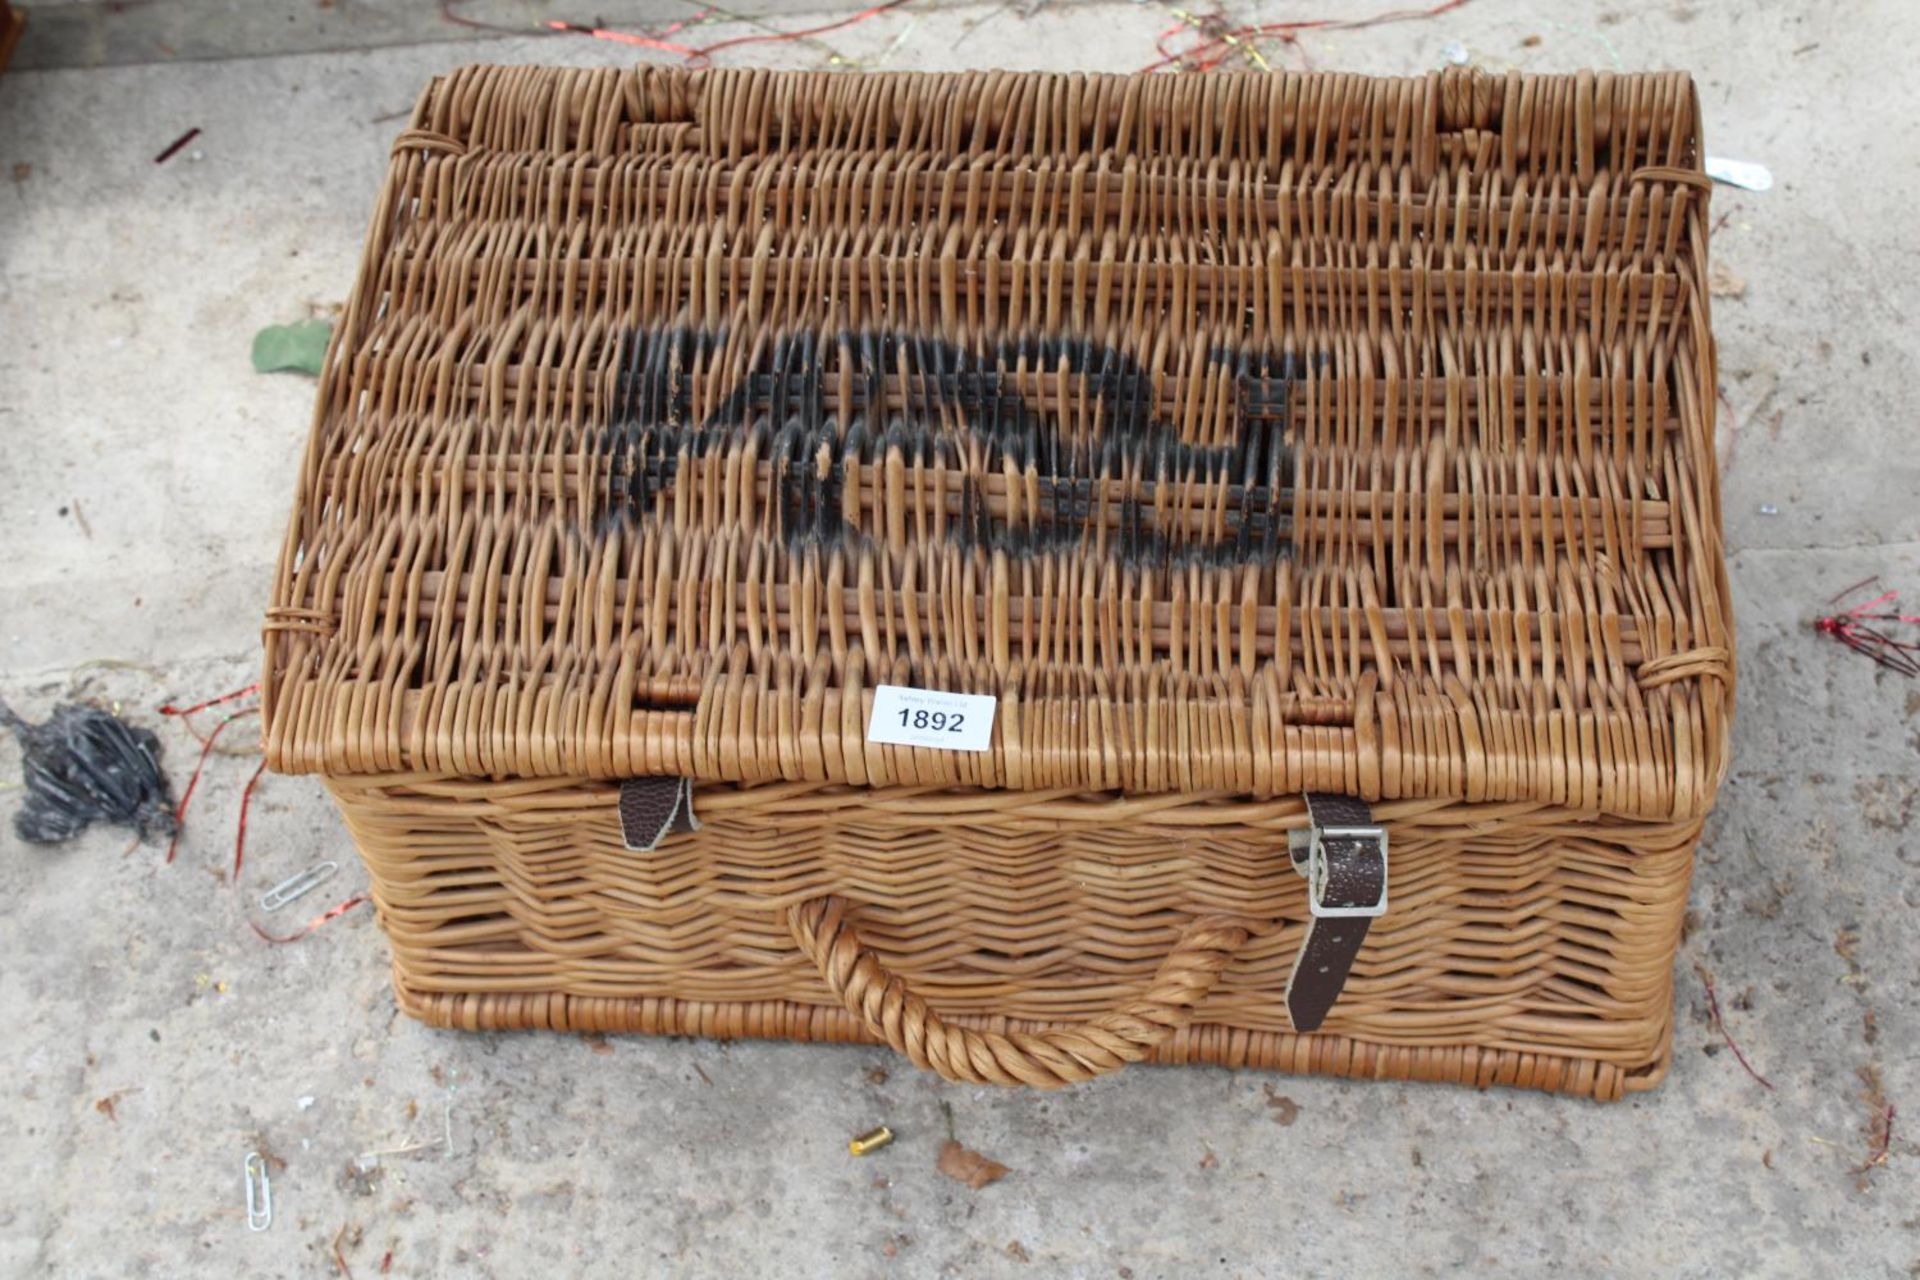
<point>651,809</point>
<point>1327,809</point>
<point>1355,879</point>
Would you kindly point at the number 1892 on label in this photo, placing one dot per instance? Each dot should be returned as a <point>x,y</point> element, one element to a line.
<point>911,717</point>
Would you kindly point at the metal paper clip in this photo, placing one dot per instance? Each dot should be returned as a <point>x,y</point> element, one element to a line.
<point>296,885</point>
<point>259,1193</point>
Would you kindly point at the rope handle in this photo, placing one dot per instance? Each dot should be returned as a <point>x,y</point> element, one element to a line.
<point>1043,1059</point>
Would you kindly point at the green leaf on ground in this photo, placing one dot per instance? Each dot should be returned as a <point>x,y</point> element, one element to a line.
<point>296,347</point>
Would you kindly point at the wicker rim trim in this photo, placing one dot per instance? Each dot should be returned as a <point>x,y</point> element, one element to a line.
<point>1235,1048</point>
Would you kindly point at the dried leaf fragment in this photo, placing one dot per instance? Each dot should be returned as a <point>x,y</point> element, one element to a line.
<point>970,1167</point>
<point>1285,1109</point>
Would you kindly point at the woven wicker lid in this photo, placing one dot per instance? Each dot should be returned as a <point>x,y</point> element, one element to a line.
<point>1237,433</point>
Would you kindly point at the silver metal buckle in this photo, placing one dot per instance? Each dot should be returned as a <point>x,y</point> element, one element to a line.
<point>1307,846</point>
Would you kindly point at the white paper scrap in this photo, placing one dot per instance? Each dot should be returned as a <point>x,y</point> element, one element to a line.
<point>1740,173</point>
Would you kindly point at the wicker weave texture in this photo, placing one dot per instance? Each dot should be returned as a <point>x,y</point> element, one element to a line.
<point>1242,435</point>
<point>1525,945</point>
<point>1251,434</point>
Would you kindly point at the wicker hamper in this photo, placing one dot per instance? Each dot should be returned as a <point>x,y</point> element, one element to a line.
<point>1308,480</point>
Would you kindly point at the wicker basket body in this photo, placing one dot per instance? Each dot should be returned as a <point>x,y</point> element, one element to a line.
<point>1242,436</point>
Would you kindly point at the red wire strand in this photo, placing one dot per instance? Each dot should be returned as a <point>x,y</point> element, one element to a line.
<point>239,856</point>
<point>1844,592</point>
<point>246,805</point>
<point>648,40</point>
<point>331,913</point>
<point>199,767</point>
<point>1851,629</point>
<point>701,57</point>
<point>706,55</point>
<point>1288,31</point>
<point>1720,1025</point>
<point>240,834</point>
<point>201,738</point>
<point>624,37</point>
<point>168,709</point>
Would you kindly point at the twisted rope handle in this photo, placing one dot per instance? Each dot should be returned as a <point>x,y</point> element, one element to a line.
<point>1044,1059</point>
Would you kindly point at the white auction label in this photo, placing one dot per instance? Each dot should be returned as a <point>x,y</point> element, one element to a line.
<point>928,718</point>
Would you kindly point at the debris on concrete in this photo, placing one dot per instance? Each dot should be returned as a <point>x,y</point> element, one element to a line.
<point>358,1179</point>
<point>1285,1109</point>
<point>1879,1126</point>
<point>965,1165</point>
<point>1876,629</point>
<point>443,1143</point>
<point>259,1191</point>
<point>1720,1025</point>
<point>85,765</point>
<point>348,1236</point>
<point>292,348</point>
<point>1740,173</point>
<point>870,1141</point>
<point>173,148</point>
<point>109,1105</point>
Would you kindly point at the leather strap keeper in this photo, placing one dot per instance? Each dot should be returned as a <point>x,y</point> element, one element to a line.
<point>651,809</point>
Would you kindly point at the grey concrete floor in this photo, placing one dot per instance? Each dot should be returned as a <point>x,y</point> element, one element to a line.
<point>144,477</point>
